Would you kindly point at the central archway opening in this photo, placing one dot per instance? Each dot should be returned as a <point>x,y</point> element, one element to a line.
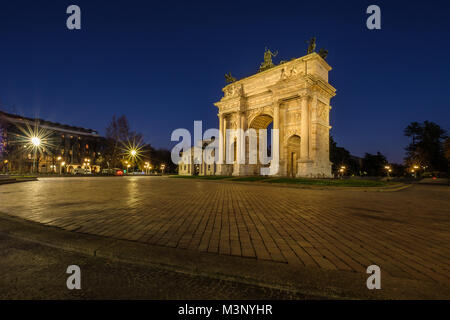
<point>259,124</point>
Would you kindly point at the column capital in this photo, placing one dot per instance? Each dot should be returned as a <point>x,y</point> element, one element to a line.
<point>305,94</point>
<point>277,102</point>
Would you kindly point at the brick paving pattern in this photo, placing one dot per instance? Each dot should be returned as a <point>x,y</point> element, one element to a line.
<point>406,233</point>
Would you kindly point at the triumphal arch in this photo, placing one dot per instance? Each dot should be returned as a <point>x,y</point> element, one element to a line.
<point>294,97</point>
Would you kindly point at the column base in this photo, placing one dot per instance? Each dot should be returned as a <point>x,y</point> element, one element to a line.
<point>224,170</point>
<point>313,169</point>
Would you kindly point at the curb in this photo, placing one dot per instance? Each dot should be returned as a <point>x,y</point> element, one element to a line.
<point>312,282</point>
<point>14,180</point>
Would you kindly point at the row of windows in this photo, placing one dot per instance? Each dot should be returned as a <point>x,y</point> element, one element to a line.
<point>186,166</point>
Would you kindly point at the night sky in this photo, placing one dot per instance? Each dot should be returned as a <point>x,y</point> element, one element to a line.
<point>162,63</point>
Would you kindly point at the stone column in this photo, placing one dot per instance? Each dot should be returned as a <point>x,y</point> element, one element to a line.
<point>305,162</point>
<point>221,139</point>
<point>276,115</point>
<point>224,143</point>
<point>238,136</point>
<point>239,125</point>
<point>313,129</point>
<point>304,127</point>
<point>276,126</point>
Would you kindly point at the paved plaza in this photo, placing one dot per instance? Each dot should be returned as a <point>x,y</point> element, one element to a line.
<point>406,233</point>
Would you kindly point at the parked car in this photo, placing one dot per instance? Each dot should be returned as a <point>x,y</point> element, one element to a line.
<point>115,172</point>
<point>77,171</point>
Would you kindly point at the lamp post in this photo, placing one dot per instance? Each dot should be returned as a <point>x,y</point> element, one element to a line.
<point>36,142</point>
<point>388,170</point>
<point>415,169</point>
<point>61,166</point>
<point>6,165</point>
<point>133,154</point>
<point>342,170</point>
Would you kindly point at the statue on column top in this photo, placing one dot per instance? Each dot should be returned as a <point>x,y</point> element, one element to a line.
<point>323,53</point>
<point>311,45</point>
<point>267,63</point>
<point>229,78</point>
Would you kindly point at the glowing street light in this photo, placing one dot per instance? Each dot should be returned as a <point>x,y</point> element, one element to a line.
<point>342,170</point>
<point>388,170</point>
<point>33,139</point>
<point>6,165</point>
<point>36,141</point>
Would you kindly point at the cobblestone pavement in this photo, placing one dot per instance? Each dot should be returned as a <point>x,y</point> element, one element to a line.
<point>33,271</point>
<point>406,233</point>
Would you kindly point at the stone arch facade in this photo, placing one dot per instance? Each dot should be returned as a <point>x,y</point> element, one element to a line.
<point>294,96</point>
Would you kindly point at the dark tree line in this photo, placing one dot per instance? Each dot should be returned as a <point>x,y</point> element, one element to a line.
<point>370,165</point>
<point>427,147</point>
<point>120,140</point>
<point>428,152</point>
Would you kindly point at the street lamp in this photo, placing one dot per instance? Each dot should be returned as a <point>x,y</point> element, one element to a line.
<point>61,166</point>
<point>35,142</point>
<point>388,170</point>
<point>6,165</point>
<point>133,154</point>
<point>415,169</point>
<point>342,170</point>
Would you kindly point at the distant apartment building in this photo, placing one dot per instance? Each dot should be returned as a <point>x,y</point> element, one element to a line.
<point>40,146</point>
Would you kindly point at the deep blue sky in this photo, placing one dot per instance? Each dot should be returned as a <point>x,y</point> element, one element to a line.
<point>162,63</point>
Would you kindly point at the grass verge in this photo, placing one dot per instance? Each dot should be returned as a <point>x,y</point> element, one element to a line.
<point>295,181</point>
<point>250,178</point>
<point>330,182</point>
<point>201,177</point>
